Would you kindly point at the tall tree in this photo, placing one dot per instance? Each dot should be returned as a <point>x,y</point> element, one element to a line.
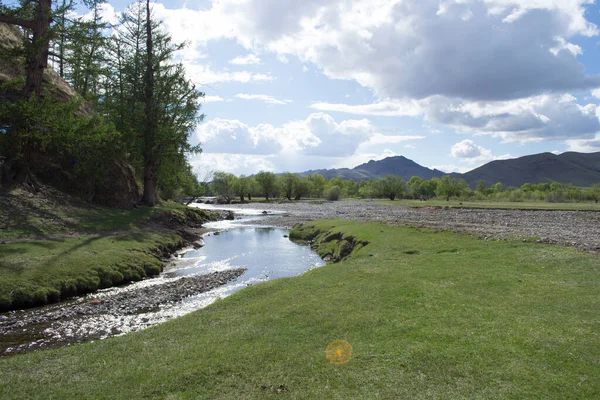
<point>35,16</point>
<point>150,196</point>
<point>157,117</point>
<point>267,182</point>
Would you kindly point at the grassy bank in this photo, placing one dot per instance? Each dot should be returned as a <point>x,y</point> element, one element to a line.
<point>54,246</point>
<point>584,206</point>
<point>429,315</point>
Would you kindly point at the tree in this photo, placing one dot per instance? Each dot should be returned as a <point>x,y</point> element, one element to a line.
<point>429,187</point>
<point>267,182</point>
<point>158,118</point>
<point>301,188</point>
<point>289,182</point>
<point>593,193</point>
<point>225,185</point>
<point>86,51</point>
<point>481,187</point>
<point>317,184</point>
<point>35,17</point>
<point>392,186</point>
<point>448,187</point>
<point>243,187</point>
<point>414,187</point>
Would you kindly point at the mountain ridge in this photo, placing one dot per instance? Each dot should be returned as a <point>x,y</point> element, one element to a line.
<point>579,169</point>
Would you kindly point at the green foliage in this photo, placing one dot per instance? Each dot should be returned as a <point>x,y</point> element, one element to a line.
<point>449,187</point>
<point>86,146</point>
<point>392,186</point>
<point>267,182</point>
<point>334,193</point>
<point>317,183</point>
<point>225,185</point>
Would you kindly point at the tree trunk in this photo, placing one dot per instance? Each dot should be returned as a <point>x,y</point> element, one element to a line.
<point>150,197</point>
<point>37,59</point>
<point>249,197</point>
<point>242,198</point>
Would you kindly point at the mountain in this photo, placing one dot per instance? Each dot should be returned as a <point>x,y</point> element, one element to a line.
<point>580,169</point>
<point>398,165</point>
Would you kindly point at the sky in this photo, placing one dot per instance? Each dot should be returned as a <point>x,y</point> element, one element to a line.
<point>294,85</point>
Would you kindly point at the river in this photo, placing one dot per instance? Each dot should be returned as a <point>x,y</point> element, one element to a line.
<point>235,255</point>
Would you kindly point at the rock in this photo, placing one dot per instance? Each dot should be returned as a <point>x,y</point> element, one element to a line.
<point>327,258</point>
<point>217,233</point>
<point>265,212</point>
<point>198,244</point>
<point>95,302</point>
<point>285,236</point>
<point>230,216</point>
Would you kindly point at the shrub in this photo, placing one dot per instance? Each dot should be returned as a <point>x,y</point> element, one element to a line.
<point>334,193</point>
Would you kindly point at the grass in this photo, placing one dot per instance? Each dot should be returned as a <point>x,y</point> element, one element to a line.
<point>25,215</point>
<point>55,246</point>
<point>44,271</point>
<point>429,315</point>
<point>586,206</point>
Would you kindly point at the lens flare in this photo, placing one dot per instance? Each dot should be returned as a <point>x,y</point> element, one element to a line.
<point>338,352</point>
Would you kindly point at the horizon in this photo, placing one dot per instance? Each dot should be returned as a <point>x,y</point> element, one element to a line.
<point>295,86</point>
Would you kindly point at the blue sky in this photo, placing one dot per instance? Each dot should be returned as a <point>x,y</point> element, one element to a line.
<point>295,85</point>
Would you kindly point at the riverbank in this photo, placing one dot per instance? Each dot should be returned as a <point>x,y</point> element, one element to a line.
<point>53,246</point>
<point>428,314</point>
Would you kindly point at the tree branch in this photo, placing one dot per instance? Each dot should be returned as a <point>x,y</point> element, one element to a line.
<point>16,21</point>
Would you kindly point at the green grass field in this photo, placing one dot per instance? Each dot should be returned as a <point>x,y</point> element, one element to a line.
<point>429,316</point>
<point>584,206</point>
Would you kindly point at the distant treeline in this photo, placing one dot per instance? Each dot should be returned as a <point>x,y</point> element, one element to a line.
<point>293,187</point>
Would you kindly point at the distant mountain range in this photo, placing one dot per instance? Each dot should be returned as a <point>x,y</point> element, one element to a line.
<point>580,169</point>
<point>398,165</point>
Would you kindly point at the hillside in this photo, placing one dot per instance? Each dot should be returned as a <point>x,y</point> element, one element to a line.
<point>580,169</point>
<point>398,165</point>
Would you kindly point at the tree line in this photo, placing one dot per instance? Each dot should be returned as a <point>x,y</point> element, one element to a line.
<point>135,104</point>
<point>291,186</point>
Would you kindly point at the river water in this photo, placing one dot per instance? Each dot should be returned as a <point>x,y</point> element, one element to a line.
<point>235,256</point>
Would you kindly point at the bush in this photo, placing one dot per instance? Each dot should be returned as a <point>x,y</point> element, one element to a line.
<point>334,193</point>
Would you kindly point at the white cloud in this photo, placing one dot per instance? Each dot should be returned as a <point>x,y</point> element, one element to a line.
<point>319,135</point>
<point>212,99</point>
<point>411,49</point>
<point>283,59</point>
<point>246,60</point>
<point>234,137</point>
<point>467,149</point>
<point>262,97</point>
<point>232,163</point>
<point>472,153</point>
<point>544,117</point>
<point>389,108</point>
<point>585,145</point>
<point>204,75</point>
<point>448,168</point>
